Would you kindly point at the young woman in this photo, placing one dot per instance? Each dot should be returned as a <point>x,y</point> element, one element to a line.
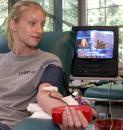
<point>24,70</point>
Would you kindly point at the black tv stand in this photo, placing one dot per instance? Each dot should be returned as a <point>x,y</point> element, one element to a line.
<point>118,78</point>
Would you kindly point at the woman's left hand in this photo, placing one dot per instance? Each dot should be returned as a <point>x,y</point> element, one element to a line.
<point>73,120</point>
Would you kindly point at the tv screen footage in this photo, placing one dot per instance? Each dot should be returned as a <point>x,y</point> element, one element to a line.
<point>94,43</point>
<point>96,50</point>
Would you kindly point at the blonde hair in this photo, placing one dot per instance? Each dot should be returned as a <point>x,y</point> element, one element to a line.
<point>16,12</point>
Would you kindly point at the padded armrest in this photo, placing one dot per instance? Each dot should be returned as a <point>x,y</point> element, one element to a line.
<point>39,124</point>
<point>36,124</point>
<point>102,92</point>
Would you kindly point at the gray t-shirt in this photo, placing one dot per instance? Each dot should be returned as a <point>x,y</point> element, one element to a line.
<point>19,78</point>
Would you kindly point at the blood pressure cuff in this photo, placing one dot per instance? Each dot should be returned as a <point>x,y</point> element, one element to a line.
<point>53,74</point>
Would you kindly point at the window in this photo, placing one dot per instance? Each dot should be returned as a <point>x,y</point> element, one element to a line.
<point>70,14</point>
<point>48,6</point>
<point>106,13</point>
<point>3,15</point>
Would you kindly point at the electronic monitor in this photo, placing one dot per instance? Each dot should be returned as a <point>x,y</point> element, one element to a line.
<point>96,51</point>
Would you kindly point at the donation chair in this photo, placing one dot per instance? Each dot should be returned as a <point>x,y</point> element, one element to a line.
<point>103,91</point>
<point>106,93</point>
<point>62,45</point>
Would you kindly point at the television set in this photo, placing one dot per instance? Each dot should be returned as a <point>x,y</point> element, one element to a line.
<point>96,51</point>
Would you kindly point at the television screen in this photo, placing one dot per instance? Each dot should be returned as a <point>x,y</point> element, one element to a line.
<point>94,43</point>
<point>96,50</point>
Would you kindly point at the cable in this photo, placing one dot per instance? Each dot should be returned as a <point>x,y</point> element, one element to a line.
<point>50,95</point>
<point>110,109</point>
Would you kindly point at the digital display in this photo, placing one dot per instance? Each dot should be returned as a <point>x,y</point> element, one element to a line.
<point>94,44</point>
